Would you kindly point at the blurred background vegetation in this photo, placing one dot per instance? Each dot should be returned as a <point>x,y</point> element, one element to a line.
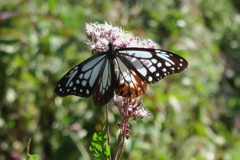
<point>196,114</point>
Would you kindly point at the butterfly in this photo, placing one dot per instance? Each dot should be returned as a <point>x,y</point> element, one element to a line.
<point>125,71</point>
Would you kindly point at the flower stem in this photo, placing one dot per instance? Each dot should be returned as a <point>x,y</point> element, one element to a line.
<point>123,129</point>
<point>119,143</point>
<point>107,127</point>
<point>123,138</point>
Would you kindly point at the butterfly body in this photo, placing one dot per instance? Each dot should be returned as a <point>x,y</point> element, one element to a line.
<point>125,71</point>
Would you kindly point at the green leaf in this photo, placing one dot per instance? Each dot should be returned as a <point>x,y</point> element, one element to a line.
<point>99,146</point>
<point>33,157</point>
<point>134,133</point>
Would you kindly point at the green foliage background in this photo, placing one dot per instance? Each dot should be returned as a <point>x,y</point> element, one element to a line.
<point>196,114</point>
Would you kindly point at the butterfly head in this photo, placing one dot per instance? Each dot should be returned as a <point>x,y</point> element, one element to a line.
<point>110,47</point>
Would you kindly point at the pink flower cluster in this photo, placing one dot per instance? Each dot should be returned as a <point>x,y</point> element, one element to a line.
<point>131,108</point>
<point>100,35</point>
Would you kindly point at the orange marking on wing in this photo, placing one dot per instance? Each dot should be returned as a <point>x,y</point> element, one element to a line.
<point>132,89</point>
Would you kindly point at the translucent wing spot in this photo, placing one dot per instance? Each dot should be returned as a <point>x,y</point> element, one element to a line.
<point>87,91</point>
<point>122,81</point>
<point>87,75</point>
<point>105,76</point>
<point>103,91</point>
<point>163,52</point>
<point>141,69</point>
<point>164,69</point>
<point>77,81</point>
<point>133,59</point>
<point>138,53</point>
<point>109,82</point>
<point>159,64</point>
<point>147,63</point>
<point>71,84</point>
<point>127,76</point>
<point>157,74</point>
<point>84,82</point>
<point>180,64</point>
<point>60,89</point>
<point>173,68</point>
<point>164,56</point>
<point>71,76</point>
<point>154,61</point>
<point>81,76</point>
<point>74,88</point>
<point>150,78</point>
<point>81,90</point>
<point>167,64</point>
<point>152,69</point>
<point>68,90</point>
<point>181,60</point>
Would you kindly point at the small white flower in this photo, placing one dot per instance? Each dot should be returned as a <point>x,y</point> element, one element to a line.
<point>141,113</point>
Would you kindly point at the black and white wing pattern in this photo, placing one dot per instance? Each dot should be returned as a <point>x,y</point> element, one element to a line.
<point>90,76</point>
<point>153,64</point>
<point>104,90</point>
<point>81,79</point>
<point>123,71</point>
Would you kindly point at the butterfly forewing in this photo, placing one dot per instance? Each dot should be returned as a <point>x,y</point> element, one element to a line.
<point>154,64</point>
<point>80,80</point>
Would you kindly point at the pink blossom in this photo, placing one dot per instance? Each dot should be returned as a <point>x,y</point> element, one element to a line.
<point>100,35</point>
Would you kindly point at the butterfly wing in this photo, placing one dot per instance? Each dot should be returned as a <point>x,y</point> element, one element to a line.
<point>81,79</point>
<point>126,73</point>
<point>128,81</point>
<point>154,64</point>
<point>103,91</point>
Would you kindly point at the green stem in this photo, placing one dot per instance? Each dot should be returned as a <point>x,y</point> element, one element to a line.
<point>107,127</point>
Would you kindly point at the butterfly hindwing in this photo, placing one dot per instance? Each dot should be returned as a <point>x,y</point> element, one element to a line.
<point>154,64</point>
<point>81,79</point>
<point>103,91</point>
<point>128,82</point>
